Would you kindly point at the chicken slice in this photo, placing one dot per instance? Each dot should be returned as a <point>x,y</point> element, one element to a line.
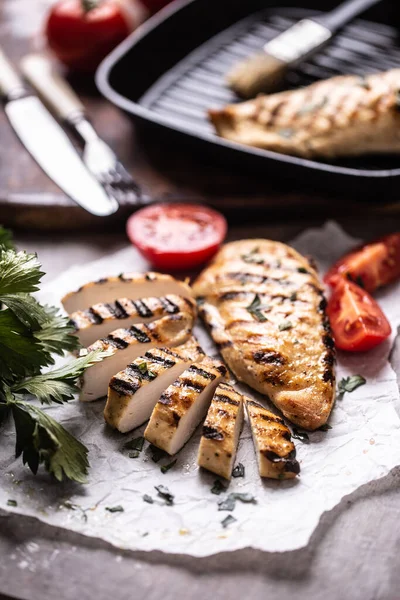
<point>275,451</point>
<point>100,319</point>
<point>221,431</point>
<point>127,285</point>
<point>134,392</point>
<point>126,345</point>
<point>183,404</point>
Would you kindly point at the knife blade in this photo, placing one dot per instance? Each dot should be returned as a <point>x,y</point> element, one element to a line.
<point>49,145</point>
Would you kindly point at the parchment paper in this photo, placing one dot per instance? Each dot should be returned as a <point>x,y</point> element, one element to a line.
<point>363,445</point>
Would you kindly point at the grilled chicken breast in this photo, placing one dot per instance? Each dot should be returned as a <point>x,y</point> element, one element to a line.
<point>276,454</point>
<point>221,430</point>
<point>265,308</point>
<point>134,392</point>
<point>126,345</point>
<point>342,116</point>
<point>183,404</point>
<point>127,285</point>
<point>100,319</point>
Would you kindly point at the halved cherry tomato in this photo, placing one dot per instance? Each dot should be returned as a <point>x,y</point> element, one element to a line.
<point>82,32</point>
<point>371,266</point>
<point>357,322</point>
<point>177,236</point>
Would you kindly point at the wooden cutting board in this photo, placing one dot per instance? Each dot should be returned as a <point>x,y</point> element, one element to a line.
<point>29,199</point>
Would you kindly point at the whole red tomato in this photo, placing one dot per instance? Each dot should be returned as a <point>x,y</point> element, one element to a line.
<point>82,32</point>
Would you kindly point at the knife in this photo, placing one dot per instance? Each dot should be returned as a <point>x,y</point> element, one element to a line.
<point>49,145</point>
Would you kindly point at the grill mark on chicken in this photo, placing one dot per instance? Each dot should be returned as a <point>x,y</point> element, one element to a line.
<point>171,352</point>
<point>169,306</point>
<point>133,370</point>
<point>254,278</point>
<point>123,387</point>
<point>225,399</point>
<point>211,433</point>
<point>160,360</point>
<point>94,316</point>
<point>193,385</point>
<point>268,357</point>
<point>142,309</point>
<point>140,335</point>
<point>119,311</point>
<point>117,342</point>
<point>202,372</point>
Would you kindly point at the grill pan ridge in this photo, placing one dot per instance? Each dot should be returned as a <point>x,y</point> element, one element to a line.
<point>177,100</point>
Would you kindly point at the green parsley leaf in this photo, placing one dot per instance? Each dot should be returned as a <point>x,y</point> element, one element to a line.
<point>19,273</point>
<point>115,509</point>
<point>157,454</point>
<point>302,270</point>
<point>256,307</point>
<point>144,369</point>
<point>349,384</point>
<point>166,468</point>
<point>228,521</point>
<point>58,385</point>
<point>134,454</point>
<point>148,499</point>
<point>218,487</point>
<point>238,471</point>
<point>285,325</point>
<point>12,503</point>
<point>26,309</point>
<point>135,444</point>
<point>57,333</point>
<point>165,494</point>
<point>293,297</point>
<point>6,241</point>
<point>300,435</point>
<point>227,503</point>
<point>40,439</point>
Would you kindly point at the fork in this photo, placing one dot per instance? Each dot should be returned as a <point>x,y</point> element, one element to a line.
<point>98,157</point>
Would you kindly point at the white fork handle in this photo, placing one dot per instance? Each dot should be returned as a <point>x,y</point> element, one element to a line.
<point>51,87</point>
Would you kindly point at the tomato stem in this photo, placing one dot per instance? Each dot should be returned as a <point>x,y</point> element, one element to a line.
<point>89,5</point>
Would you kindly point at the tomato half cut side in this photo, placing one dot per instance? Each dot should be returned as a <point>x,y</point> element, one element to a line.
<point>371,266</point>
<point>358,323</point>
<point>177,236</point>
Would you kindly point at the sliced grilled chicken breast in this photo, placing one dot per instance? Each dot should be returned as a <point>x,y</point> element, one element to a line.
<point>128,285</point>
<point>276,454</point>
<point>100,319</point>
<point>183,404</point>
<point>342,116</point>
<point>127,344</point>
<point>221,431</point>
<point>265,307</point>
<point>134,392</point>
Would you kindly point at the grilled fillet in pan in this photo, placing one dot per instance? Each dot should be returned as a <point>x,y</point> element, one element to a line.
<point>128,285</point>
<point>100,319</point>
<point>127,344</point>
<point>265,308</point>
<point>221,430</point>
<point>342,116</point>
<point>276,454</point>
<point>183,404</point>
<point>134,392</point>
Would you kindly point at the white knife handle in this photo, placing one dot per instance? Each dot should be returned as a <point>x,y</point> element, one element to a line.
<point>52,88</point>
<point>11,85</point>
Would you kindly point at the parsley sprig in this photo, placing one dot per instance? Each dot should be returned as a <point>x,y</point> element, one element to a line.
<point>30,334</point>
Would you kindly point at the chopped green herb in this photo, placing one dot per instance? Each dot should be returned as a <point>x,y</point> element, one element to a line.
<point>228,521</point>
<point>349,384</point>
<point>300,435</point>
<point>217,487</point>
<point>238,471</point>
<point>250,258</point>
<point>286,132</point>
<point>227,503</point>
<point>166,468</point>
<point>293,297</point>
<point>134,454</point>
<point>144,369</point>
<point>157,454</point>
<point>256,307</point>
<point>302,270</point>
<point>115,509</point>
<point>135,444</point>
<point>285,326</point>
<point>148,499</point>
<point>12,503</point>
<point>325,427</point>
<point>164,493</point>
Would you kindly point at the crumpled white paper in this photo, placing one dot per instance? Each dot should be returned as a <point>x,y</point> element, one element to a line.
<point>361,446</point>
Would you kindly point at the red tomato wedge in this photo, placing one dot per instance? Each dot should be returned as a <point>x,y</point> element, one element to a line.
<point>177,236</point>
<point>357,322</point>
<point>372,266</point>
